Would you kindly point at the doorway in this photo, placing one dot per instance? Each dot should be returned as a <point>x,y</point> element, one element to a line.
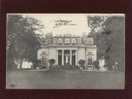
<point>66,57</point>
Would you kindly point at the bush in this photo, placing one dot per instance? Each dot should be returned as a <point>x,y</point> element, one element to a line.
<point>81,62</point>
<point>96,64</point>
<point>51,62</point>
<point>36,64</point>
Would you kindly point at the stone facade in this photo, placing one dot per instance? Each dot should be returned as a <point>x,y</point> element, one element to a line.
<point>68,50</point>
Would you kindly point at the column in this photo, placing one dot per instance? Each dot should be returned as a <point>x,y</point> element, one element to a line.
<point>56,57</point>
<point>70,57</point>
<point>85,57</point>
<point>62,57</point>
<point>76,53</point>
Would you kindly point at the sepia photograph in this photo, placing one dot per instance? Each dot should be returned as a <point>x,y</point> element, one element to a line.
<point>65,51</point>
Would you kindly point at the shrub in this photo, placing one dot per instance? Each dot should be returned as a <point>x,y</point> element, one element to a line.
<point>81,62</point>
<point>96,64</point>
<point>51,62</point>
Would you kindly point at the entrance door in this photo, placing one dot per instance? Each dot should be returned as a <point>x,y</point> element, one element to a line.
<point>90,62</point>
<point>89,58</point>
<point>66,57</point>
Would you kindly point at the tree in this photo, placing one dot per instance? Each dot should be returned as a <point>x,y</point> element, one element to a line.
<point>22,42</point>
<point>95,22</point>
<point>116,53</point>
<point>110,41</point>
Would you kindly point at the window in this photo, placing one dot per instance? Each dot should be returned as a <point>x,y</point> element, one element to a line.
<point>90,61</point>
<point>74,41</point>
<point>55,40</point>
<point>67,40</point>
<point>73,52</point>
<point>89,41</point>
<point>59,52</point>
<point>79,40</point>
<point>89,57</point>
<point>89,53</point>
<point>60,41</point>
<point>73,57</point>
<point>60,57</point>
<point>44,58</point>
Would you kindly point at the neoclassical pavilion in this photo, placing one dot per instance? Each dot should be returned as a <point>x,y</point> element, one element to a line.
<point>68,49</point>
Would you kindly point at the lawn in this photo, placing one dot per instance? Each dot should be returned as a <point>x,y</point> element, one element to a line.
<point>64,80</point>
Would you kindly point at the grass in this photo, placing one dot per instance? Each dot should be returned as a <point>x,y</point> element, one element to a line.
<point>64,80</point>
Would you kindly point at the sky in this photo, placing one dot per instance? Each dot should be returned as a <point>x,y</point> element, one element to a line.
<point>59,24</point>
<point>63,23</point>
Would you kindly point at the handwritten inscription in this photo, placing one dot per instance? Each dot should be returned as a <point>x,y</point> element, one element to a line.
<point>63,23</point>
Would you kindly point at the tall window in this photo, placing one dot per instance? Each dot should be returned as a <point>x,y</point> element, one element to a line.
<point>73,57</point>
<point>90,60</point>
<point>44,58</point>
<point>59,57</point>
